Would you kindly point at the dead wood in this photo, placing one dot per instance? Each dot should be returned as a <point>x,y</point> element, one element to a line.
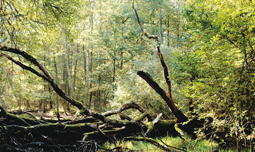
<point>151,125</point>
<point>154,142</point>
<point>166,96</point>
<point>178,114</point>
<point>48,147</point>
<point>128,106</point>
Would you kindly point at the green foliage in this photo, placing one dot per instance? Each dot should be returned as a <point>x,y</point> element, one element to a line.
<point>36,27</point>
<point>222,44</point>
<point>23,21</point>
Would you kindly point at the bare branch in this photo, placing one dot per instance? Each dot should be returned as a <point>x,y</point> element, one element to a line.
<point>152,124</point>
<point>128,106</point>
<point>178,114</point>
<point>154,142</point>
<point>25,67</point>
<point>138,19</point>
<point>139,22</point>
<point>168,82</point>
<point>28,57</point>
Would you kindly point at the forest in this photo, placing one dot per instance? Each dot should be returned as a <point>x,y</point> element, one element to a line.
<point>127,75</point>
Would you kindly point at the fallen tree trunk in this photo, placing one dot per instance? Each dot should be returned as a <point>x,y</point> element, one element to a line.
<point>83,129</point>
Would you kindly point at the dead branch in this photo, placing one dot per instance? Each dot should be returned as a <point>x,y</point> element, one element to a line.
<point>97,133</point>
<point>151,125</point>
<point>48,79</point>
<point>139,22</point>
<point>25,67</point>
<point>154,142</point>
<point>47,146</point>
<point>163,64</point>
<point>7,115</point>
<point>28,57</point>
<point>167,97</point>
<point>178,114</point>
<point>128,106</point>
<point>57,126</point>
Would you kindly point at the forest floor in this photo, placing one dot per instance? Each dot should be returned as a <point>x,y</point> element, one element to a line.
<point>13,139</point>
<point>43,140</point>
<point>70,114</point>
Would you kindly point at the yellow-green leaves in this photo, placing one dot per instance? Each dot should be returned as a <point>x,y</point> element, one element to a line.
<point>225,42</point>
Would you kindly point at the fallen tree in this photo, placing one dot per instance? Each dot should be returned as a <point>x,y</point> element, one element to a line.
<point>94,125</point>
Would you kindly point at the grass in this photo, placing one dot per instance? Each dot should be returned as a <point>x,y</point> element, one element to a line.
<point>188,144</point>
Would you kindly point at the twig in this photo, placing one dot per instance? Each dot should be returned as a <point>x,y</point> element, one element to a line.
<point>154,142</point>
<point>151,126</point>
<point>46,146</point>
<point>139,22</point>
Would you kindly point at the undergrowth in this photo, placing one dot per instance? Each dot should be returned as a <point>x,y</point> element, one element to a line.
<point>187,144</point>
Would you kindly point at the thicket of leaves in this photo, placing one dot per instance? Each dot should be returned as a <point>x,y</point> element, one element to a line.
<point>220,62</point>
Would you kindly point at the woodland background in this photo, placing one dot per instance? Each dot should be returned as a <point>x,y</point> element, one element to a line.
<point>93,50</point>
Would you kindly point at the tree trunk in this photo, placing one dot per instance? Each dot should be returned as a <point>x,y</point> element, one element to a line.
<point>178,27</point>
<point>67,68</point>
<point>56,78</point>
<point>168,31</point>
<point>91,84</point>
<point>75,68</point>
<point>87,79</point>
<point>161,30</point>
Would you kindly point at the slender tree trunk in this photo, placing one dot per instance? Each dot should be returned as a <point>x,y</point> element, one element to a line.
<point>178,27</point>
<point>56,78</point>
<point>114,60</point>
<point>91,64</point>
<point>161,30</point>
<point>67,68</point>
<point>87,78</point>
<point>91,53</point>
<point>98,94</point>
<point>10,78</point>
<point>45,86</point>
<point>65,85</point>
<point>114,67</point>
<point>168,30</point>
<point>85,75</point>
<point>75,70</point>
<point>121,53</point>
